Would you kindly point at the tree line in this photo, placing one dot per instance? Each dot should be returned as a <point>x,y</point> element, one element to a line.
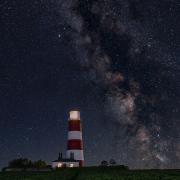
<point>24,163</point>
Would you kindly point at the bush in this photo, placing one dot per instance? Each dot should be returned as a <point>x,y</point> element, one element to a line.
<point>20,163</point>
<point>112,162</point>
<point>26,163</point>
<point>104,163</point>
<point>39,164</point>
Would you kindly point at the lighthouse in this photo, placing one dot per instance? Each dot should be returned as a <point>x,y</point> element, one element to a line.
<point>75,141</point>
<point>74,153</point>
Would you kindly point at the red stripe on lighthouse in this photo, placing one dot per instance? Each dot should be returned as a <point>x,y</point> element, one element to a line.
<point>74,125</point>
<point>75,144</point>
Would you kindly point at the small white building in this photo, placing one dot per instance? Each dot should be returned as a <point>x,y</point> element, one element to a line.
<point>60,162</point>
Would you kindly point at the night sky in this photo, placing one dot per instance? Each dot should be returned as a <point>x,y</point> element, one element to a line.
<point>118,61</point>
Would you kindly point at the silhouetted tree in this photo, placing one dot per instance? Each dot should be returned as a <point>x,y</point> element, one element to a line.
<point>39,164</point>
<point>20,163</point>
<point>26,163</point>
<point>104,163</point>
<point>112,162</point>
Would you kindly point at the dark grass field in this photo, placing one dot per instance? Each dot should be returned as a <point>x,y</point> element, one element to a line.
<point>94,173</point>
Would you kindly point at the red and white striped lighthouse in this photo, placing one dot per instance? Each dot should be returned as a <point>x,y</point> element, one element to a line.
<point>75,142</point>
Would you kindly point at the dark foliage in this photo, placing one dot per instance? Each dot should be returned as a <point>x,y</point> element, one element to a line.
<point>26,163</point>
<point>104,163</point>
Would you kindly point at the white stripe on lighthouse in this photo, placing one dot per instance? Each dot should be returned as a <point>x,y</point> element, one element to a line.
<point>74,135</point>
<point>78,154</point>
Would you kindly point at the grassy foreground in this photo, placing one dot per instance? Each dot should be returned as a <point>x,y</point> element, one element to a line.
<point>94,173</point>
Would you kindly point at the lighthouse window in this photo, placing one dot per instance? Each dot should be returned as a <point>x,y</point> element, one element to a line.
<point>71,165</point>
<point>59,165</point>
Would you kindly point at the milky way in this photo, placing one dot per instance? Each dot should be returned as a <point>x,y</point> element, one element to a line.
<point>117,47</point>
<point>115,60</point>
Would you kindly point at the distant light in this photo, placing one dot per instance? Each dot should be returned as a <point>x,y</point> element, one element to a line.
<point>59,165</point>
<point>71,165</point>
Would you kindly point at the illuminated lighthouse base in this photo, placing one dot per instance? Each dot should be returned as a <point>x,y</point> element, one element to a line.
<point>61,162</point>
<point>74,153</point>
<point>78,154</point>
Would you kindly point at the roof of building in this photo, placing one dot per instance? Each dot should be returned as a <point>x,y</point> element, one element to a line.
<point>66,160</point>
<point>60,159</point>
